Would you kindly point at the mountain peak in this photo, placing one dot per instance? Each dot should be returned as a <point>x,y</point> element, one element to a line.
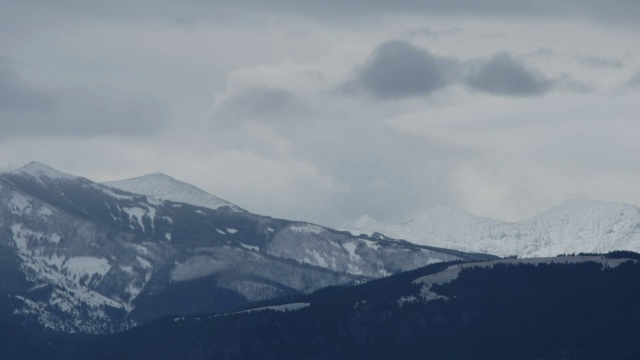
<point>39,170</point>
<point>159,175</point>
<point>165,187</point>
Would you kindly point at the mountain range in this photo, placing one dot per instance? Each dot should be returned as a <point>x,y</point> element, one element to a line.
<point>575,226</point>
<point>80,256</point>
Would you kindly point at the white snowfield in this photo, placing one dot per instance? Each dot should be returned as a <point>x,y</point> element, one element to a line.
<point>451,272</point>
<point>574,226</point>
<point>164,187</point>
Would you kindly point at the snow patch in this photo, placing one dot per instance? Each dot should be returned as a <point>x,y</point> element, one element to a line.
<point>308,228</point>
<point>141,249</point>
<point>371,244</point>
<point>406,299</point>
<point>144,262</point>
<point>80,266</point>
<point>21,237</point>
<point>19,204</point>
<point>351,249</point>
<point>113,194</point>
<point>319,259</point>
<point>45,211</point>
<point>55,238</point>
<point>250,247</point>
<point>152,200</point>
<point>54,261</point>
<point>136,214</point>
<point>354,270</point>
<point>152,215</point>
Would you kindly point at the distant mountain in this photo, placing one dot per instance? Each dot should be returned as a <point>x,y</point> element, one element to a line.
<point>575,226</point>
<point>553,308</point>
<point>79,256</point>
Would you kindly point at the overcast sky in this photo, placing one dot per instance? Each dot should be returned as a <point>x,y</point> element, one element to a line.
<point>327,110</point>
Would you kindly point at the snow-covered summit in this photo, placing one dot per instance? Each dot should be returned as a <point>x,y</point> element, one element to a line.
<point>574,226</point>
<point>39,170</point>
<point>164,187</point>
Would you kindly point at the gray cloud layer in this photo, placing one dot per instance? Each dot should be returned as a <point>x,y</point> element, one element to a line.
<point>18,96</point>
<point>28,110</point>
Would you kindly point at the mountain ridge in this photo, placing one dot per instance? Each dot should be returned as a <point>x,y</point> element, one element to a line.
<point>96,259</point>
<point>574,226</point>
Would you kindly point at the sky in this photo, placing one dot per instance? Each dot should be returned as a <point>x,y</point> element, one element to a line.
<point>326,111</point>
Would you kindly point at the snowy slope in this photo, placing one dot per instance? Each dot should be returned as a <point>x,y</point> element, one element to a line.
<point>164,187</point>
<point>574,226</point>
<point>38,171</point>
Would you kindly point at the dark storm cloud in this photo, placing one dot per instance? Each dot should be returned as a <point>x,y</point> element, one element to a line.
<point>262,103</point>
<point>16,95</point>
<point>503,75</point>
<point>602,62</point>
<point>398,69</point>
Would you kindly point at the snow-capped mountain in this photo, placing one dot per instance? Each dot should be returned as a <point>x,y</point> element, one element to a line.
<point>574,226</point>
<point>164,187</point>
<point>79,256</point>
